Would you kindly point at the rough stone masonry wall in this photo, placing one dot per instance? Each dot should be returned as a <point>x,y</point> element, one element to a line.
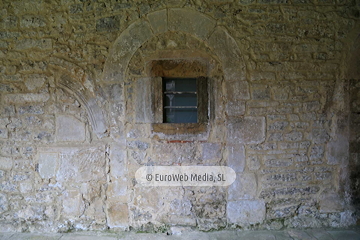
<point>74,73</point>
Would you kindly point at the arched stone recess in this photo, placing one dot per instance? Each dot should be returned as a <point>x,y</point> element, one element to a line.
<point>116,84</point>
<point>95,114</point>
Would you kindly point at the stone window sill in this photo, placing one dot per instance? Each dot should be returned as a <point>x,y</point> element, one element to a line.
<point>179,128</point>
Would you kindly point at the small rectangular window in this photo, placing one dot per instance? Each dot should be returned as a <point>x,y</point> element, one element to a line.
<point>180,100</point>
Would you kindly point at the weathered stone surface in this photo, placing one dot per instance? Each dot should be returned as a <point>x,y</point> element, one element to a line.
<point>81,165</point>
<point>158,21</point>
<point>108,24</point>
<point>244,187</point>
<point>246,212</point>
<point>35,81</point>
<point>227,50</point>
<point>238,90</point>
<point>69,129</point>
<point>47,164</point>
<point>26,98</point>
<point>236,157</point>
<point>118,215</point>
<point>72,203</point>
<point>337,151</point>
<point>123,49</point>
<point>4,206</point>
<point>144,113</point>
<point>211,151</point>
<point>190,22</point>
<point>246,130</point>
<point>41,44</point>
<point>330,202</point>
<point>6,163</point>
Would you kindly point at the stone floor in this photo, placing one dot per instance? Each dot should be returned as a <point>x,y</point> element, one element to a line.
<point>308,234</point>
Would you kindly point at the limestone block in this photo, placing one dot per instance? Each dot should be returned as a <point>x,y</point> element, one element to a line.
<point>246,212</point>
<point>244,187</point>
<point>158,21</point>
<point>117,164</point>
<point>47,164</point>
<point>118,215</point>
<point>238,90</point>
<point>4,205</point>
<point>35,81</point>
<point>24,44</point>
<point>236,157</point>
<point>246,130</point>
<point>32,21</point>
<point>17,98</point>
<point>211,151</point>
<point>116,189</point>
<point>68,128</point>
<point>5,163</point>
<point>72,203</point>
<point>143,103</point>
<point>82,165</point>
<point>235,108</point>
<point>108,24</point>
<point>192,22</point>
<point>3,133</point>
<point>337,150</point>
<point>331,202</point>
<point>227,50</point>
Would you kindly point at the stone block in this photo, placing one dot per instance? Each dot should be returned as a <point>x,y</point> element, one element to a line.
<point>244,187</point>
<point>4,133</point>
<point>192,22</point>
<point>117,215</point>
<point>47,164</point>
<point>117,189</point>
<point>246,212</point>
<point>6,163</point>
<point>22,98</point>
<point>211,151</point>
<point>235,108</point>
<point>72,203</point>
<point>247,130</point>
<point>68,128</point>
<point>337,150</point>
<point>143,103</point>
<point>108,24</point>
<point>260,92</point>
<point>117,163</point>
<point>4,205</point>
<point>237,91</point>
<point>25,44</point>
<point>253,163</point>
<point>158,21</point>
<point>35,81</point>
<point>30,109</point>
<point>236,157</point>
<point>330,202</point>
<point>32,21</point>
<point>82,165</point>
<point>228,51</point>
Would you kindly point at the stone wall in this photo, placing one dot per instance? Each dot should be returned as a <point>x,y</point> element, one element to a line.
<point>77,113</point>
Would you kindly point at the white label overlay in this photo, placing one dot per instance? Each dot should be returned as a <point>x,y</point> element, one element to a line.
<point>175,176</point>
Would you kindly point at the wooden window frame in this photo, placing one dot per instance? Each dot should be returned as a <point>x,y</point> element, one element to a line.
<point>179,68</point>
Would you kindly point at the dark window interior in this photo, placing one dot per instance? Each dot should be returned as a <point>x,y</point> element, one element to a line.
<point>180,100</point>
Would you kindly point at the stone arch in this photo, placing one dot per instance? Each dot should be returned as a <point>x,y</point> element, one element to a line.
<point>174,19</point>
